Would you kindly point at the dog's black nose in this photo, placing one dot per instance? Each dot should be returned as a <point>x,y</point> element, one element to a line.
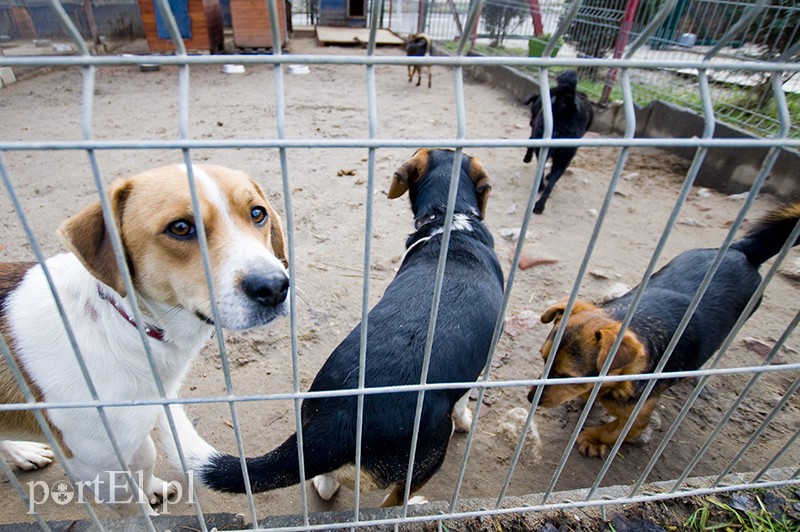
<point>267,290</point>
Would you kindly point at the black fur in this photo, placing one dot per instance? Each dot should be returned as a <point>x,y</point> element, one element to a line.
<point>572,117</point>
<point>398,324</point>
<point>418,45</point>
<point>672,288</point>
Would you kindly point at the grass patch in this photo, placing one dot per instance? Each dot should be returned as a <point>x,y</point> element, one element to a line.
<point>733,104</point>
<point>749,514</point>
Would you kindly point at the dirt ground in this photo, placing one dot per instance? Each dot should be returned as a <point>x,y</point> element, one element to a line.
<point>329,103</point>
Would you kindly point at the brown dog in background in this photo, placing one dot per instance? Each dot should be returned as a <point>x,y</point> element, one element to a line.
<point>591,330</point>
<point>418,45</point>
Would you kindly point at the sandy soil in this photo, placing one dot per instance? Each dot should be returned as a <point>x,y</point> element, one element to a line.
<point>330,102</point>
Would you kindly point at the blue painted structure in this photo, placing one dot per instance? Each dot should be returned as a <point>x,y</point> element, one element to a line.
<point>348,13</point>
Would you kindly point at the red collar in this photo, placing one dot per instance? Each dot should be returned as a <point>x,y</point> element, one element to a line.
<point>152,331</point>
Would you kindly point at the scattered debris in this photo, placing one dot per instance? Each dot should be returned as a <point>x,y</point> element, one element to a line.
<point>510,233</point>
<point>704,192</point>
<point>243,361</point>
<point>517,324</point>
<point>349,171</point>
<point>593,213</point>
<point>599,274</point>
<point>791,270</point>
<point>692,222</point>
<point>512,423</point>
<point>526,261</point>
<point>631,176</point>
<point>614,291</point>
<point>512,209</point>
<point>737,197</point>
<point>762,349</point>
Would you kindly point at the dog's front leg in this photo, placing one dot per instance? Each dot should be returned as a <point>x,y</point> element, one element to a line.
<point>595,441</point>
<point>27,455</point>
<point>142,466</point>
<point>109,486</point>
<point>462,415</point>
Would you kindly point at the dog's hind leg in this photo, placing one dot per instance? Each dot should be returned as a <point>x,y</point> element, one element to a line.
<point>429,76</point>
<point>144,460</point>
<point>27,455</point>
<point>410,69</point>
<point>462,415</point>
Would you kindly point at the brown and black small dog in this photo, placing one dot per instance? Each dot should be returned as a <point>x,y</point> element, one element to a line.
<point>418,45</point>
<point>592,330</point>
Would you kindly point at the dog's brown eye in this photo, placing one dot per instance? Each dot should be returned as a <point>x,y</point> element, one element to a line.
<point>181,229</point>
<point>258,215</point>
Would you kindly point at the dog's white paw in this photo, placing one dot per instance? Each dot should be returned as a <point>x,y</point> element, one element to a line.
<point>28,455</point>
<point>418,499</point>
<point>326,486</point>
<point>159,490</point>
<point>462,421</point>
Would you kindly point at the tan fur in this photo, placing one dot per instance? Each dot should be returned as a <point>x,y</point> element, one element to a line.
<point>416,168</point>
<point>18,423</point>
<point>161,266</point>
<point>411,170</point>
<point>588,337</point>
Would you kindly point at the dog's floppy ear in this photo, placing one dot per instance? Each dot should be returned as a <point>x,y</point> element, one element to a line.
<point>630,350</point>
<point>411,171</point>
<point>276,239</point>
<point>556,311</point>
<point>481,180</point>
<point>276,236</point>
<point>87,236</point>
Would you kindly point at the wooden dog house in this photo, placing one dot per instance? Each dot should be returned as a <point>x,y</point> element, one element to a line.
<point>251,23</point>
<point>199,21</point>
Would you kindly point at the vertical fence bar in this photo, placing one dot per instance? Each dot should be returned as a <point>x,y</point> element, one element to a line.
<point>688,182</point>
<point>630,128</point>
<point>280,123</point>
<point>541,160</point>
<point>372,117</point>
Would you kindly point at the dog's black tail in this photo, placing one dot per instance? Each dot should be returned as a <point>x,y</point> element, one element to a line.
<point>277,469</point>
<point>765,239</point>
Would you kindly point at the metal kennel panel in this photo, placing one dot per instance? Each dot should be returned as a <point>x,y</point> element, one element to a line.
<point>500,502</point>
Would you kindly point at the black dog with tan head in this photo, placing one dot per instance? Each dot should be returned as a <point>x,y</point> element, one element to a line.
<point>471,295</point>
<point>591,330</point>
<point>418,45</point>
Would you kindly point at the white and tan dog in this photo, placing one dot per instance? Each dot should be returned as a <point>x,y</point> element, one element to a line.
<point>154,214</point>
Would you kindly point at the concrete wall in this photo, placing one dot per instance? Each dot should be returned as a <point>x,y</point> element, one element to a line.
<point>728,170</point>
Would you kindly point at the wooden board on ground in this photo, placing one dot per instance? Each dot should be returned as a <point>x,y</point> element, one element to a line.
<point>340,35</point>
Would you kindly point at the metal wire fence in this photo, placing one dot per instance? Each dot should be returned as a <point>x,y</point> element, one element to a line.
<point>630,64</point>
<point>603,28</point>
